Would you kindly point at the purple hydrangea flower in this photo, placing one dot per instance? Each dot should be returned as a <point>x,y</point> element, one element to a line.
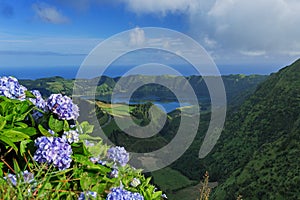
<point>27,177</point>
<point>51,150</point>
<point>121,194</point>
<point>71,136</point>
<point>119,155</point>
<point>84,195</point>
<point>63,107</point>
<point>10,87</point>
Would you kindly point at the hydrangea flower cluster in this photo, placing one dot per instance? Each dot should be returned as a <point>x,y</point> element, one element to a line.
<point>10,87</point>
<point>71,136</point>
<point>53,150</point>
<point>84,195</point>
<point>121,194</point>
<point>39,102</point>
<point>119,155</point>
<point>63,107</point>
<point>27,177</point>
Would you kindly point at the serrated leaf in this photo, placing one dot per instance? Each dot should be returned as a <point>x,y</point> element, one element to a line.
<point>55,124</point>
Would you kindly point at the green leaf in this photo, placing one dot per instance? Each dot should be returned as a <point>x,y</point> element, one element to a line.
<point>80,148</point>
<point>30,131</point>
<point>156,195</point>
<point>86,182</point>
<point>21,124</point>
<point>16,166</point>
<point>86,127</point>
<point>29,94</point>
<point>89,137</point>
<point>14,136</point>
<point>99,188</point>
<point>66,126</point>
<point>55,124</point>
<point>1,171</point>
<point>23,146</point>
<point>2,122</point>
<point>43,131</point>
<point>9,142</point>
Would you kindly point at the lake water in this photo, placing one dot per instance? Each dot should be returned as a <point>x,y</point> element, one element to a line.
<point>167,106</point>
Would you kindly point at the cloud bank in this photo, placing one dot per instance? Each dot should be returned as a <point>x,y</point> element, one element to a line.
<point>246,28</point>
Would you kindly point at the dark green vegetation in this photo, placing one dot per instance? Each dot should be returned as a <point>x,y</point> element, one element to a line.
<point>237,86</point>
<point>174,180</point>
<point>257,155</point>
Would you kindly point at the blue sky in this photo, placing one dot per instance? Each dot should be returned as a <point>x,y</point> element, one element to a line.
<point>249,36</point>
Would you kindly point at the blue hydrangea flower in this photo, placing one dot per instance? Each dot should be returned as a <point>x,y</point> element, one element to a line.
<point>101,162</point>
<point>71,136</point>
<point>114,173</point>
<point>51,131</point>
<point>118,155</point>
<point>88,143</point>
<point>84,195</point>
<point>121,194</point>
<point>98,160</point>
<point>27,177</point>
<point>135,182</point>
<point>11,179</point>
<point>10,87</point>
<point>63,107</point>
<point>39,102</point>
<point>52,150</point>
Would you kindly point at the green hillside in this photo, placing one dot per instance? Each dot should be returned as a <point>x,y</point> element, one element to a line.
<point>257,155</point>
<point>238,87</point>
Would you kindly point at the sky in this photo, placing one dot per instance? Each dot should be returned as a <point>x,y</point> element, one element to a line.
<point>241,36</point>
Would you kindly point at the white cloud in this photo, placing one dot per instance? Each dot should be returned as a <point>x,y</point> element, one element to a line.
<point>49,14</point>
<point>137,37</point>
<point>160,6</point>
<point>235,26</point>
<point>253,53</point>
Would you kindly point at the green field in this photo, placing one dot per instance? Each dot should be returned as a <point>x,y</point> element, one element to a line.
<point>170,180</point>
